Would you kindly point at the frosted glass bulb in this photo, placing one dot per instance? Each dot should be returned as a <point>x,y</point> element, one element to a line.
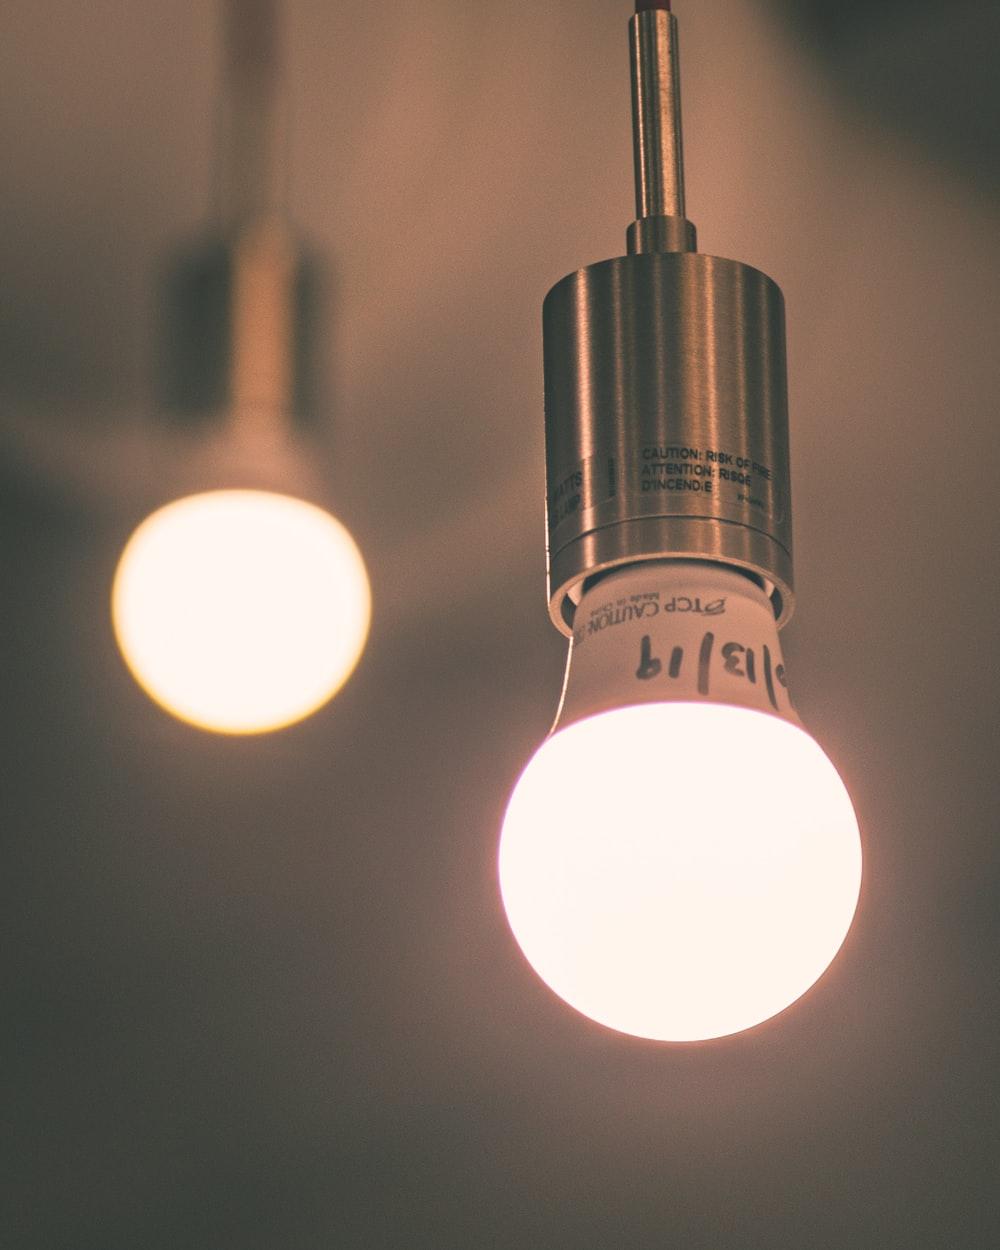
<point>241,611</point>
<point>679,860</point>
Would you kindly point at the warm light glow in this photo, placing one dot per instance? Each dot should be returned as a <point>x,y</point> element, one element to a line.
<point>680,871</point>
<point>241,611</point>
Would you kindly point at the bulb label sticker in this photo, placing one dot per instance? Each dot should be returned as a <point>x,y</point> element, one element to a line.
<point>645,607</point>
<point>667,479</point>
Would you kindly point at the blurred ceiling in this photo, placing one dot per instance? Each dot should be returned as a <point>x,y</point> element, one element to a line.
<point>261,993</point>
<point>927,69</point>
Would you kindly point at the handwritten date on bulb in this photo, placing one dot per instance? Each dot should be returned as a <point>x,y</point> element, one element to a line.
<point>738,660</point>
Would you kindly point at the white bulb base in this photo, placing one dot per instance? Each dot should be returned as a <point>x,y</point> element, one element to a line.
<point>674,631</point>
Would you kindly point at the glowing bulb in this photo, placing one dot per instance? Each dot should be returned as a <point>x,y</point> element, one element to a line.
<point>239,610</point>
<point>679,860</point>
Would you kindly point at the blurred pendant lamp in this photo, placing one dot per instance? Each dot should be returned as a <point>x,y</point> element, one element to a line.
<point>679,860</point>
<point>240,607</point>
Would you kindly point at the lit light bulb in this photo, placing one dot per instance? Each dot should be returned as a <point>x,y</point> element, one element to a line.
<point>679,860</point>
<point>241,611</point>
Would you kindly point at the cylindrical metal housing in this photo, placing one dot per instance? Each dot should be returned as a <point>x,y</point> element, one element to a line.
<point>666,422</point>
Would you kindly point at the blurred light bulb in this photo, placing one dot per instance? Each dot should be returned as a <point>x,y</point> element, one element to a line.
<point>679,860</point>
<point>241,611</point>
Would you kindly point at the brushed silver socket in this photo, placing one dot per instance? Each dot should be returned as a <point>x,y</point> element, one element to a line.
<point>666,419</point>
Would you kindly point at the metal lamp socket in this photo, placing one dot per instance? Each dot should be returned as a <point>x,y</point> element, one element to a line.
<point>666,421</point>
<point>666,411</point>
